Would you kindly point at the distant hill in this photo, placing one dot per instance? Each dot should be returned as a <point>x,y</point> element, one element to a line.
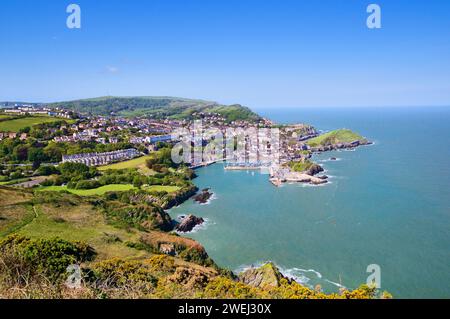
<point>156,107</point>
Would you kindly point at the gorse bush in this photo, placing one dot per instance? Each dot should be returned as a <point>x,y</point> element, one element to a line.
<point>25,258</point>
<point>117,273</point>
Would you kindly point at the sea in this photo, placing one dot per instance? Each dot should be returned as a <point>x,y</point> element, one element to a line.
<point>387,206</point>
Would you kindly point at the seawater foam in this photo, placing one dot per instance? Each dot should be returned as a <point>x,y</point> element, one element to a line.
<point>338,159</point>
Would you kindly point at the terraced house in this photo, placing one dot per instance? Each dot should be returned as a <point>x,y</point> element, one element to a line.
<point>96,159</point>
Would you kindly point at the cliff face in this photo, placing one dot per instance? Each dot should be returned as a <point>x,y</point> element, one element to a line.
<point>265,276</point>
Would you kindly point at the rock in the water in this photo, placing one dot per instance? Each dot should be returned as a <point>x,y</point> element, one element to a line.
<point>203,197</point>
<point>188,223</point>
<point>323,177</point>
<point>265,276</point>
<point>333,159</point>
<point>318,182</point>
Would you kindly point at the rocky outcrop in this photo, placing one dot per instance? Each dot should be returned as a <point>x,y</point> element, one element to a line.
<point>267,275</point>
<point>339,146</point>
<point>203,197</point>
<point>314,169</point>
<point>188,223</point>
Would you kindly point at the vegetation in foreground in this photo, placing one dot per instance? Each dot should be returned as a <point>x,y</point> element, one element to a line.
<point>125,247</point>
<point>117,231</point>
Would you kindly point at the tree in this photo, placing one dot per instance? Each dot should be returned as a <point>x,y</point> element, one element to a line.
<point>36,155</point>
<point>54,152</point>
<point>20,153</point>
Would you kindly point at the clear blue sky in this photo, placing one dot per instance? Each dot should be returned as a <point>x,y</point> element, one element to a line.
<point>261,53</point>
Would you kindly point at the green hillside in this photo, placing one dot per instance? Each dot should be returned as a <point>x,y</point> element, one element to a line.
<point>156,107</point>
<point>336,137</point>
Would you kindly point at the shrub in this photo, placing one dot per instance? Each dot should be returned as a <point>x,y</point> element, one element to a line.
<point>24,258</point>
<point>47,170</point>
<point>125,274</point>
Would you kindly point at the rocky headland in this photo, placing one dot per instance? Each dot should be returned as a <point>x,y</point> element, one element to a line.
<point>265,276</point>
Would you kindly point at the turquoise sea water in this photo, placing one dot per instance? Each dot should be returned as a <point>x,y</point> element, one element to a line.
<point>387,204</point>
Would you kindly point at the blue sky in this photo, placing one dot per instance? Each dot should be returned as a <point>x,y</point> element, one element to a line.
<point>271,53</point>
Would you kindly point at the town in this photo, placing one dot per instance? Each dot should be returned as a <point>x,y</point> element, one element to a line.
<point>283,152</point>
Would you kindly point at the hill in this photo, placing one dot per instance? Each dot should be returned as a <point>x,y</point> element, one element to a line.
<point>156,107</point>
<point>336,137</point>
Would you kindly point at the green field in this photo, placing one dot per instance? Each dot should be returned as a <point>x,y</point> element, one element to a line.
<point>335,137</point>
<point>138,163</point>
<point>18,124</point>
<point>90,192</point>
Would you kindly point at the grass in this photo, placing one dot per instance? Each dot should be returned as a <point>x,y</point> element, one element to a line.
<point>14,217</point>
<point>300,166</point>
<point>21,123</point>
<point>335,137</point>
<point>67,217</point>
<point>81,223</point>
<point>15,210</point>
<point>138,163</point>
<point>90,192</point>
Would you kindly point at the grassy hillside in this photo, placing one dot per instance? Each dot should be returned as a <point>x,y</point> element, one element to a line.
<point>156,107</point>
<point>16,125</point>
<point>46,215</point>
<point>335,137</point>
